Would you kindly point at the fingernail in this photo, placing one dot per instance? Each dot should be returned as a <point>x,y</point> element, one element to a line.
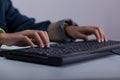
<point>99,41</point>
<point>102,40</point>
<point>48,45</point>
<point>106,39</point>
<point>42,46</point>
<point>33,46</point>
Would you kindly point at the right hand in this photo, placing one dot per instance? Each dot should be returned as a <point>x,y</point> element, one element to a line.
<point>82,32</point>
<point>26,38</point>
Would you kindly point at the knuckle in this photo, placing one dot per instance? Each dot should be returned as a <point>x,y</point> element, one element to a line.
<point>40,32</point>
<point>44,32</point>
<point>28,30</point>
<point>98,28</point>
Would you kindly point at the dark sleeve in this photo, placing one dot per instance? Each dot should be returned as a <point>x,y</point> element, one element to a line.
<point>15,22</point>
<point>18,22</point>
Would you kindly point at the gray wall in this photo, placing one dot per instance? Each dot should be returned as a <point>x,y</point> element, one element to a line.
<point>104,13</point>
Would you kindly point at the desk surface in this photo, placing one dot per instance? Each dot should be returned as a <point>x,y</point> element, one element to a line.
<point>107,68</point>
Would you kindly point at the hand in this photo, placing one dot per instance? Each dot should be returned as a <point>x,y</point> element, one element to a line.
<point>82,32</point>
<point>26,38</point>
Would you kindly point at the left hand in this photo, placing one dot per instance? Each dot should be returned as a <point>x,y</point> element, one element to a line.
<point>82,32</point>
<point>25,38</point>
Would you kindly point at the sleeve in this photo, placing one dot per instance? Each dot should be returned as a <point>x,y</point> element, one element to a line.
<point>18,22</point>
<point>56,31</point>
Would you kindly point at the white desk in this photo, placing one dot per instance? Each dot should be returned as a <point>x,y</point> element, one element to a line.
<point>98,69</point>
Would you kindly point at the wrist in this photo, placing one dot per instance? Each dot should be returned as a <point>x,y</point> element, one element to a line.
<point>67,30</point>
<point>2,38</point>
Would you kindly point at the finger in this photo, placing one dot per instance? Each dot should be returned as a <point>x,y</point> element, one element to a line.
<point>101,34</point>
<point>106,39</point>
<point>30,43</point>
<point>44,37</point>
<point>96,33</point>
<point>39,40</point>
<point>47,39</point>
<point>103,37</point>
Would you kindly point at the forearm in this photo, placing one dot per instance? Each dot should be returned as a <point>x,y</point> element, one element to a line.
<point>6,39</point>
<point>1,39</point>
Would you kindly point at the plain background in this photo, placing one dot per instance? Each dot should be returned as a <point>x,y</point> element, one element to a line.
<point>103,13</point>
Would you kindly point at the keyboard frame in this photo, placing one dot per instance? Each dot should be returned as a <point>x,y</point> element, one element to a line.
<point>60,60</point>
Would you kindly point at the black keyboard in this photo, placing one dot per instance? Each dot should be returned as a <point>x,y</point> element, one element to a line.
<point>62,50</point>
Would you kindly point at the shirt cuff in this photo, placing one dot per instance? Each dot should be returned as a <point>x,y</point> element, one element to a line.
<point>1,31</point>
<point>56,31</point>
